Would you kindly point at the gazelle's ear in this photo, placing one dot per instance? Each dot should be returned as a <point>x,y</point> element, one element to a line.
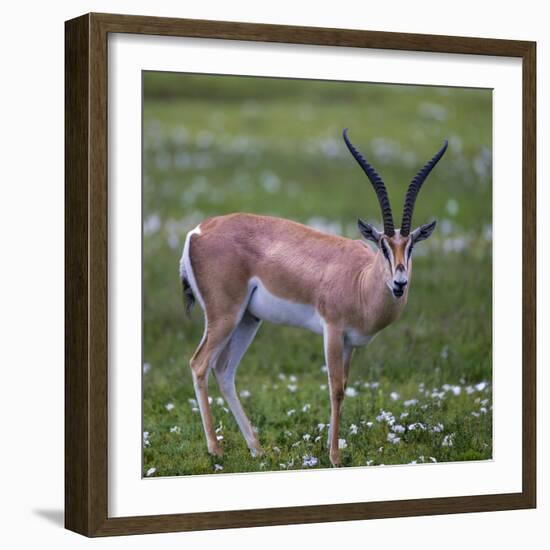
<point>369,231</point>
<point>423,232</point>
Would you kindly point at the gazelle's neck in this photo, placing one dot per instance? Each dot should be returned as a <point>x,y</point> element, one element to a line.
<point>379,305</point>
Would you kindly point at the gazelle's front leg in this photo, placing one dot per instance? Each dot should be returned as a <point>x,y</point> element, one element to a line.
<point>348,354</point>
<point>335,354</point>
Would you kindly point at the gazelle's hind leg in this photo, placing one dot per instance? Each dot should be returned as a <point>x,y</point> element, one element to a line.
<point>212,345</point>
<point>225,370</point>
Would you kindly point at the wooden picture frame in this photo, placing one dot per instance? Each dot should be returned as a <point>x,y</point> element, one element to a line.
<point>86,279</point>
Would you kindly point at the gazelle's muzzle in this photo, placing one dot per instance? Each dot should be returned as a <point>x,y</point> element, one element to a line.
<point>400,281</point>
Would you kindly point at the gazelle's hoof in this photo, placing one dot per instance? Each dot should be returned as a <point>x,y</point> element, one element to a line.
<point>215,450</point>
<point>256,451</point>
<point>335,458</point>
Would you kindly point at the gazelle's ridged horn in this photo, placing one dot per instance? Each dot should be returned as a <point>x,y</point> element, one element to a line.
<point>377,183</point>
<point>414,188</point>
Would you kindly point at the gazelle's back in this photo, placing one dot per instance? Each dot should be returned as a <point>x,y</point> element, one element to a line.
<point>282,254</point>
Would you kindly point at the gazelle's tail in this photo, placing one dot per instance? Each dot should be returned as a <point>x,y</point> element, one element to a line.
<point>188,296</point>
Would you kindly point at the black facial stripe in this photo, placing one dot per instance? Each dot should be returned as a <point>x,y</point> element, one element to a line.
<point>385,251</point>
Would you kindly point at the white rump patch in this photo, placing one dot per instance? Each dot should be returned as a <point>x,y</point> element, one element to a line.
<point>186,270</point>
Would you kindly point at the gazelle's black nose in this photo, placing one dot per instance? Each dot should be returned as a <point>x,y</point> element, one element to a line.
<point>399,288</point>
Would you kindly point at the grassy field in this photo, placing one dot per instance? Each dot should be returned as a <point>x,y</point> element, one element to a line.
<point>422,390</point>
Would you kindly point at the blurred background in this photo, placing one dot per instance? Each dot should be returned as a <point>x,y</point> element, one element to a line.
<point>421,392</point>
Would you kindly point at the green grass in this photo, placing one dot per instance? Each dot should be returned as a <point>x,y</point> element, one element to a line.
<point>215,145</point>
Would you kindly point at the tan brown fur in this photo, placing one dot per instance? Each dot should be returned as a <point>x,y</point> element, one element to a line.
<point>296,263</point>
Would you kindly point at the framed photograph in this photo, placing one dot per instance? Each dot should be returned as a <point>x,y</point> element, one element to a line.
<point>244,205</point>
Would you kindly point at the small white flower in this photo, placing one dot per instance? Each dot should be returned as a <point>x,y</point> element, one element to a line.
<point>192,402</point>
<point>483,410</point>
<point>169,406</point>
<point>244,393</point>
<point>416,426</point>
<point>220,401</point>
<point>146,442</point>
<point>309,461</point>
<point>175,429</point>
<point>448,440</point>
<point>481,386</point>
<point>410,402</point>
<point>219,437</point>
<point>195,409</point>
<point>404,415</point>
<point>290,412</point>
<point>368,424</point>
<point>369,462</point>
<point>306,407</point>
<point>293,378</point>
<point>392,438</point>
<point>146,367</point>
<point>294,445</point>
<point>386,416</point>
<point>412,462</point>
<point>470,390</point>
<point>324,368</point>
<point>318,438</point>
<point>456,390</point>
<point>323,387</point>
<point>342,444</point>
<point>321,426</point>
<point>306,437</point>
<point>351,392</point>
<point>433,459</point>
<point>218,467</point>
<point>437,428</point>
<point>282,466</point>
<point>276,450</point>
<point>476,414</point>
<point>353,429</point>
<point>150,471</point>
<point>210,400</point>
<point>397,428</point>
<point>394,395</point>
<point>292,388</point>
<point>281,376</point>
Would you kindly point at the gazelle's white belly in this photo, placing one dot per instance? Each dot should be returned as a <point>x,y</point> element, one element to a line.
<point>357,338</point>
<point>268,307</point>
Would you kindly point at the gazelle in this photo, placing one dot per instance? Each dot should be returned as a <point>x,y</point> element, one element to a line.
<point>245,269</point>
